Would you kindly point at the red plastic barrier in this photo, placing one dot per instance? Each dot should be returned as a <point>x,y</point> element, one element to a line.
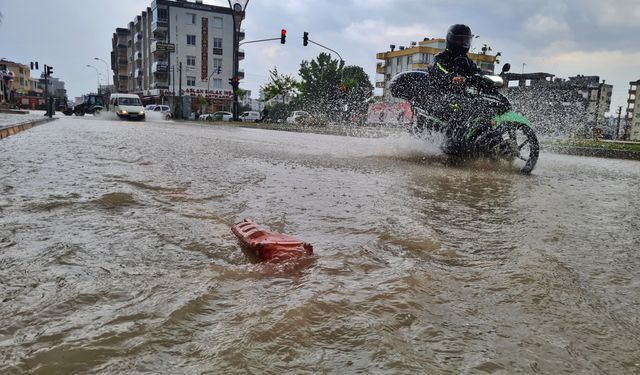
<point>270,246</point>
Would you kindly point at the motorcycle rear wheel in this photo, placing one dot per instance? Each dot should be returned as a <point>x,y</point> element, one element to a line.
<point>518,144</point>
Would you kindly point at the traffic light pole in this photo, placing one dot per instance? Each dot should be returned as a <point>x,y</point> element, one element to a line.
<point>236,48</point>
<point>328,49</point>
<point>258,41</point>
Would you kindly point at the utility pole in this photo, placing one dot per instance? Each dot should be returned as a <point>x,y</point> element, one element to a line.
<point>618,125</point>
<point>597,115</point>
<point>180,90</point>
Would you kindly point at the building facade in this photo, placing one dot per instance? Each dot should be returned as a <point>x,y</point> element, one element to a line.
<point>176,47</point>
<point>573,106</point>
<point>420,56</point>
<point>632,119</point>
<point>21,85</point>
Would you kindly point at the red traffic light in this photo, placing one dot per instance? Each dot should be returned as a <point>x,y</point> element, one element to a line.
<point>283,36</point>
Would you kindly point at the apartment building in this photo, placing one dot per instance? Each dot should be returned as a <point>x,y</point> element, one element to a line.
<point>632,127</point>
<point>176,47</point>
<point>21,85</point>
<point>420,56</point>
<point>572,106</point>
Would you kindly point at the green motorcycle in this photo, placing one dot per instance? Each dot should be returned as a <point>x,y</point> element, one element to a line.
<point>492,129</point>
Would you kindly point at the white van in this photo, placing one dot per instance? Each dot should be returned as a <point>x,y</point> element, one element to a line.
<point>126,106</point>
<point>250,116</point>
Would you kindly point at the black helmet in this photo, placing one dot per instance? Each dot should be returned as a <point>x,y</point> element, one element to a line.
<point>459,38</point>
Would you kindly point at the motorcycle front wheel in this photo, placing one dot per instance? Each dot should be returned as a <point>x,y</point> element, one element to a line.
<point>518,144</point>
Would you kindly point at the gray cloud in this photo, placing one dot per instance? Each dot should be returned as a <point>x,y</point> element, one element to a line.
<point>559,36</point>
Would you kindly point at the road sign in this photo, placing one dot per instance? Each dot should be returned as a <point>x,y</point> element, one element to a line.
<point>170,47</point>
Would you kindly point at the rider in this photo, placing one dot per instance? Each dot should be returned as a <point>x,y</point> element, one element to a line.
<point>454,68</point>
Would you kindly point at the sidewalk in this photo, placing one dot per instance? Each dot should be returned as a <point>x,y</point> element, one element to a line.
<point>12,123</point>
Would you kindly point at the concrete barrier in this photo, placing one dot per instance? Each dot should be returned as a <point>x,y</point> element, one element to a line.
<point>9,130</point>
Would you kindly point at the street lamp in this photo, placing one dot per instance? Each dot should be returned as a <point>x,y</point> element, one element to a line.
<point>107,66</point>
<point>238,8</point>
<point>97,76</point>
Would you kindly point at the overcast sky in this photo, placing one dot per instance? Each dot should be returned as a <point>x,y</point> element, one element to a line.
<point>562,37</point>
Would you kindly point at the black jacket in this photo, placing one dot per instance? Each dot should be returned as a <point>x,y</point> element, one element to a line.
<point>450,64</point>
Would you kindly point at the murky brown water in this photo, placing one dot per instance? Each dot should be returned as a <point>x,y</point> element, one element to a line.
<point>116,256</point>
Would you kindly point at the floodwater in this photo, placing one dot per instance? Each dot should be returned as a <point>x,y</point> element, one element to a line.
<point>116,256</point>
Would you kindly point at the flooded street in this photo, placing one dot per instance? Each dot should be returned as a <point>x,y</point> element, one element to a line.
<point>116,256</point>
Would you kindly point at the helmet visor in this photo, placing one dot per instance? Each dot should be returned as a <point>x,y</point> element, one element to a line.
<point>460,40</point>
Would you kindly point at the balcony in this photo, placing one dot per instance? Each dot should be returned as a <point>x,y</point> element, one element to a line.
<point>381,68</point>
<point>138,56</point>
<point>380,84</point>
<point>139,73</point>
<point>241,73</point>
<point>240,54</point>
<point>241,34</point>
<point>217,51</point>
<point>161,25</point>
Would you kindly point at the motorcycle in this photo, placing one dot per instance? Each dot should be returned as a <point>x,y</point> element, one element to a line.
<point>491,130</point>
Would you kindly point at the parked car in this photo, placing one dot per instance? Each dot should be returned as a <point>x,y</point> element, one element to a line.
<point>164,109</point>
<point>297,116</point>
<point>250,116</point>
<point>205,116</point>
<point>222,116</point>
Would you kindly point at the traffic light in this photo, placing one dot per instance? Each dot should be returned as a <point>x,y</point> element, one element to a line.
<point>48,70</point>
<point>283,36</point>
<point>36,65</point>
<point>219,70</point>
<point>231,82</point>
<point>305,39</point>
<point>32,65</point>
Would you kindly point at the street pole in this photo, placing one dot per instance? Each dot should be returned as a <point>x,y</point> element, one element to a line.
<point>97,76</point>
<point>597,115</point>
<point>618,125</point>
<point>236,47</point>
<point>108,81</point>
<point>180,90</point>
<point>238,8</point>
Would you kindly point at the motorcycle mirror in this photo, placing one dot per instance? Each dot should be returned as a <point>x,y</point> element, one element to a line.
<point>506,67</point>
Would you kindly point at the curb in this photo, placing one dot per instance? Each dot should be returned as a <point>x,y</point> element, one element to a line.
<point>9,130</point>
<point>594,152</point>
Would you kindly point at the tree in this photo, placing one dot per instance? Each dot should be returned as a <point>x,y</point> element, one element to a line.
<point>279,85</point>
<point>356,89</point>
<point>320,85</point>
<point>201,102</point>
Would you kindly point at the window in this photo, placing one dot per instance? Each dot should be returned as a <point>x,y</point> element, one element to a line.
<point>217,63</point>
<point>217,43</point>
<point>217,22</point>
<point>163,14</point>
<point>191,19</point>
<point>191,40</point>
<point>191,61</point>
<point>217,83</point>
<point>191,81</point>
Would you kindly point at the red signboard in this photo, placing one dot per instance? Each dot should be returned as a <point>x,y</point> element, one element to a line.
<point>205,49</point>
